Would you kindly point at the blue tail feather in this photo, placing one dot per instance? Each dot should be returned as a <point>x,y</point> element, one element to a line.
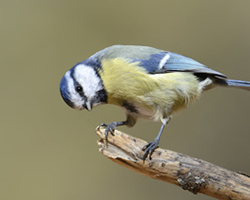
<point>238,84</point>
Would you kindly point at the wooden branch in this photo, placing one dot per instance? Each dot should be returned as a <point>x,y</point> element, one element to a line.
<point>191,174</point>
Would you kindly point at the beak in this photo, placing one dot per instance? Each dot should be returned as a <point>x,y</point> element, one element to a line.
<point>88,106</point>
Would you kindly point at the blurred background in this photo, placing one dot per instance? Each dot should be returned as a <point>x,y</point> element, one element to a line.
<point>49,151</point>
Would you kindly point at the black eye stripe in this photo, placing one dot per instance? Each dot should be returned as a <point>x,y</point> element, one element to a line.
<point>78,88</point>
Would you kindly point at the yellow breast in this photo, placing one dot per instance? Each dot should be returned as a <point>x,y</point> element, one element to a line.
<point>158,94</point>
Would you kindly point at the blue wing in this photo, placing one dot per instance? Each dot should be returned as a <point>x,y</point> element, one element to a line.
<point>155,61</point>
<point>165,62</point>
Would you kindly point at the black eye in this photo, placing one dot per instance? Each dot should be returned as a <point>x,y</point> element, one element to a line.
<point>78,88</point>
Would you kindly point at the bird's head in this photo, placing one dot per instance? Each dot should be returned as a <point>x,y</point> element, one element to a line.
<point>81,87</point>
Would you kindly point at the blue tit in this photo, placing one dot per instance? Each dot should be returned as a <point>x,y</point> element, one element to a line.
<point>145,82</point>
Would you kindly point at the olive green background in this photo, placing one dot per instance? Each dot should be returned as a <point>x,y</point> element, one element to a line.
<point>49,151</point>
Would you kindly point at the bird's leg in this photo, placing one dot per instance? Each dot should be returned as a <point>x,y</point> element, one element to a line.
<point>110,128</point>
<point>151,146</point>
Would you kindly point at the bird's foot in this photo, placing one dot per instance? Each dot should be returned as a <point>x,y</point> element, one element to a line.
<point>149,149</point>
<point>110,128</point>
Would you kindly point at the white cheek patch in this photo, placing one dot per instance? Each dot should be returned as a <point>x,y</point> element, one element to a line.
<point>86,76</point>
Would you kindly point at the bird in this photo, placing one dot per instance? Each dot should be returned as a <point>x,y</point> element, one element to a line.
<point>147,83</point>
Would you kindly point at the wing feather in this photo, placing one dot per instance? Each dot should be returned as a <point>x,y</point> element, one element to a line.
<point>156,61</point>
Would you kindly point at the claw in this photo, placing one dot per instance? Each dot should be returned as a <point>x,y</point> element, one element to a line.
<point>110,128</point>
<point>151,146</point>
<point>149,149</point>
